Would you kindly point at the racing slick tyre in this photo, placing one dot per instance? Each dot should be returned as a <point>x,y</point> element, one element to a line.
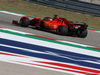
<point>62,30</point>
<point>83,34</point>
<point>24,22</point>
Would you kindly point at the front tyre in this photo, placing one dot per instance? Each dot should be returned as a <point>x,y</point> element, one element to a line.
<point>24,22</point>
<point>83,34</point>
<point>62,30</point>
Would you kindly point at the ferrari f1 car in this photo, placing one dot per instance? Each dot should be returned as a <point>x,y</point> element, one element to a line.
<point>58,25</point>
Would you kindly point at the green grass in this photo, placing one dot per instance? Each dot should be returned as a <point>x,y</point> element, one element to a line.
<point>24,7</point>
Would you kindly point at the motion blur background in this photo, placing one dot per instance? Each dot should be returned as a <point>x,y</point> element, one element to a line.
<point>93,1</point>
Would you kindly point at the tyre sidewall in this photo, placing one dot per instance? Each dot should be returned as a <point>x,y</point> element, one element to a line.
<point>62,30</point>
<point>24,22</point>
<point>83,34</point>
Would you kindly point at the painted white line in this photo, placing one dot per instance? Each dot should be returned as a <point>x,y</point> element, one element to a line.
<point>32,59</point>
<point>56,40</point>
<point>13,59</point>
<point>49,44</point>
<point>16,31</point>
<point>45,68</point>
<point>48,53</point>
<point>76,44</point>
<point>97,31</point>
<point>12,13</point>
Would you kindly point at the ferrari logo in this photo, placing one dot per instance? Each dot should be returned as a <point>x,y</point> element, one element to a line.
<point>50,25</point>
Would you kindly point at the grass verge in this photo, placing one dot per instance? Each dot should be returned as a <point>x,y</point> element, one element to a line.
<point>24,7</point>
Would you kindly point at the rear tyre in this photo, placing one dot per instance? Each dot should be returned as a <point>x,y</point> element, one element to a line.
<point>83,34</point>
<point>62,30</point>
<point>24,22</point>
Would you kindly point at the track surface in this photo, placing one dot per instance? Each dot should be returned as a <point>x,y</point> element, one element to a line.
<point>92,38</point>
<point>16,69</point>
<point>12,69</point>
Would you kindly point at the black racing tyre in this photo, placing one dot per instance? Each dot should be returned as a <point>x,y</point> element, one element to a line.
<point>62,30</point>
<point>24,22</point>
<point>32,22</point>
<point>83,34</point>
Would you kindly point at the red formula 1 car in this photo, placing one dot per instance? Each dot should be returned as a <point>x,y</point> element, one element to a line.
<point>58,25</point>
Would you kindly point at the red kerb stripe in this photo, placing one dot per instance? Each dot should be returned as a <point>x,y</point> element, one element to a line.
<point>70,66</point>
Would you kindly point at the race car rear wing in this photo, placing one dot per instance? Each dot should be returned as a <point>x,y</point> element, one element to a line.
<point>82,26</point>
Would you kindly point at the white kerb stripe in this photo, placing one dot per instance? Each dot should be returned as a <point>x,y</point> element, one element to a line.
<point>48,44</point>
